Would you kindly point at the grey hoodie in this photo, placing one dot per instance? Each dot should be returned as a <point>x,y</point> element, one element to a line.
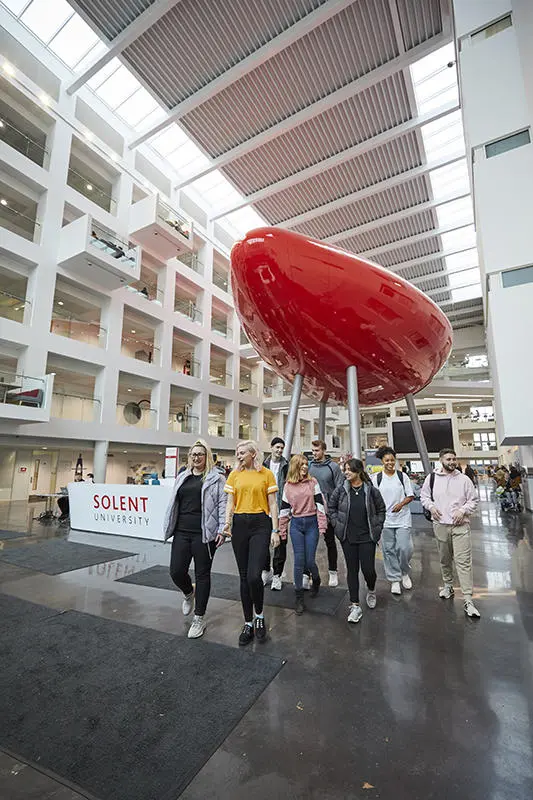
<point>328,474</point>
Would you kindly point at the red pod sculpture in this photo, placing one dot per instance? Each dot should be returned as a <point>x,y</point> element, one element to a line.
<point>312,309</point>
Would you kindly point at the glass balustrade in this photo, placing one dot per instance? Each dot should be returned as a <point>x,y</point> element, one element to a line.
<point>192,261</point>
<point>248,386</point>
<point>24,225</point>
<point>148,291</point>
<point>140,349</point>
<point>113,246</point>
<point>187,365</point>
<point>221,378</point>
<point>187,423</point>
<point>20,141</point>
<point>13,307</point>
<point>244,339</point>
<point>63,324</point>
<point>247,432</point>
<point>188,308</point>
<point>146,421</point>
<point>219,428</point>
<point>89,189</point>
<point>177,222</point>
<point>221,279</point>
<point>74,406</point>
<point>221,326</point>
<point>22,390</point>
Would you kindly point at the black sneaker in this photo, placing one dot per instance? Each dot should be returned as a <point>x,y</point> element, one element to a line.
<point>246,636</point>
<point>300,605</point>
<point>315,586</point>
<point>260,629</point>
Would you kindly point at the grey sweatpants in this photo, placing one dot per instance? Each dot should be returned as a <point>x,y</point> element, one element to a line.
<point>455,546</point>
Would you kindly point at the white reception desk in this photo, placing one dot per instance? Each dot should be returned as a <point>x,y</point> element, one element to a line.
<point>130,510</point>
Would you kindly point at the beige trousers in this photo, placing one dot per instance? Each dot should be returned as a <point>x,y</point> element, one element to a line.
<point>455,545</point>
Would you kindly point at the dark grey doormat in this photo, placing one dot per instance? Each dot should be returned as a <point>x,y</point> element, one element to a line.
<point>119,711</point>
<point>12,535</point>
<point>57,555</point>
<point>226,587</point>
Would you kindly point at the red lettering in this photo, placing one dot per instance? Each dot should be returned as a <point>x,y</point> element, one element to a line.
<point>143,500</point>
<point>106,502</point>
<point>133,503</point>
<point>96,501</point>
<point>115,507</point>
<point>123,503</point>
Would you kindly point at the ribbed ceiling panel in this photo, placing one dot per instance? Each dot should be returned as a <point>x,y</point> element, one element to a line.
<point>195,42</point>
<point>426,268</point>
<point>368,169</point>
<point>110,17</point>
<point>373,208</point>
<point>361,117</point>
<point>419,20</point>
<point>347,46</point>
<point>387,234</point>
<point>433,283</point>
<point>408,253</point>
<point>441,297</point>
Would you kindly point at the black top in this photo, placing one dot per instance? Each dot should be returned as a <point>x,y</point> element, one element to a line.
<point>190,505</point>
<point>358,530</point>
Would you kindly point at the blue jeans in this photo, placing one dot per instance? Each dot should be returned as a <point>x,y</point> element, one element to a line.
<point>304,538</point>
<point>397,545</point>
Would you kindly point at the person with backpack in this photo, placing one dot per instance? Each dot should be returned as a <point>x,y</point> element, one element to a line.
<point>396,540</point>
<point>449,498</point>
<point>279,467</point>
<point>329,477</point>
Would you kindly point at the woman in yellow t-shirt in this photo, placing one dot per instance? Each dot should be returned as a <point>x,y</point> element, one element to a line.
<point>251,490</point>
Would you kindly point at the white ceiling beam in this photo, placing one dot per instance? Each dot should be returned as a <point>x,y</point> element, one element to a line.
<point>340,158</point>
<point>135,29</point>
<point>426,259</point>
<point>242,68</point>
<point>409,240</point>
<point>441,274</point>
<point>320,106</point>
<point>395,217</point>
<point>368,191</point>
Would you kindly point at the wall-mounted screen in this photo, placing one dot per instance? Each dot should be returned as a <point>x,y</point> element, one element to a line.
<point>438,434</point>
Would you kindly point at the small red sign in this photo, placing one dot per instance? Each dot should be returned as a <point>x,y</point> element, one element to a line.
<point>23,469</point>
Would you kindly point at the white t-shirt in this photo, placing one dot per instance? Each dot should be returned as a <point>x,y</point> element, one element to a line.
<point>392,492</point>
<point>274,468</point>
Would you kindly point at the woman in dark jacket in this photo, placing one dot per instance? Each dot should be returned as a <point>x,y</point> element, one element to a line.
<point>357,512</point>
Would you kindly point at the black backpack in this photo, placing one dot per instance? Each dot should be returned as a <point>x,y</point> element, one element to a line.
<point>400,476</point>
<point>426,511</point>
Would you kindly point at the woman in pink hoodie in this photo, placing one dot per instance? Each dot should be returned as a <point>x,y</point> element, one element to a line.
<point>302,502</point>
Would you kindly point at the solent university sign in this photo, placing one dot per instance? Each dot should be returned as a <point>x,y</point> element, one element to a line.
<point>130,510</point>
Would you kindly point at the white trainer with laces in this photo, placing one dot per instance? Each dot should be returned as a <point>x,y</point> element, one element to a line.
<point>197,628</point>
<point>306,583</point>
<point>266,576</point>
<point>188,604</point>
<point>407,583</point>
<point>277,584</point>
<point>355,614</point>
<point>333,578</point>
<point>470,609</point>
<point>371,599</point>
<point>447,591</point>
<point>396,588</point>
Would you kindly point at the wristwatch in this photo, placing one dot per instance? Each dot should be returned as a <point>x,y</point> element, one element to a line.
<point>275,530</point>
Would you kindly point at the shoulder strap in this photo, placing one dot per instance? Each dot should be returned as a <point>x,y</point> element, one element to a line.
<point>400,478</point>
<point>331,470</point>
<point>431,484</point>
<point>380,478</point>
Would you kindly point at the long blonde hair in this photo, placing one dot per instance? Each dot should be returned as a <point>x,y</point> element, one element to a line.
<point>209,461</point>
<point>252,447</point>
<point>293,474</point>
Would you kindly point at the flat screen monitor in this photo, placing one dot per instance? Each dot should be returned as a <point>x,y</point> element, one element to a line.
<point>437,433</point>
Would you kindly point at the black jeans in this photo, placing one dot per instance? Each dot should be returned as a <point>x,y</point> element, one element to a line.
<point>279,558</point>
<point>359,555</point>
<point>331,544</point>
<point>185,547</point>
<point>250,538</point>
<point>64,505</point>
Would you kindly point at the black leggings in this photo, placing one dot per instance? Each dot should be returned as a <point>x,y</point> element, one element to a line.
<point>250,538</point>
<point>359,555</point>
<point>185,547</point>
<point>279,559</point>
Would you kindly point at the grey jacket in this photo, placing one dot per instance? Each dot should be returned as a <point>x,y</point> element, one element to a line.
<point>339,510</point>
<point>213,505</point>
<point>328,474</point>
<point>282,475</point>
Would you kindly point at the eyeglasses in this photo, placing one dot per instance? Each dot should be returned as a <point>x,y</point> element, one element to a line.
<point>197,455</point>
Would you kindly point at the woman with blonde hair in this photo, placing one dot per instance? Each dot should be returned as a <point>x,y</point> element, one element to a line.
<point>251,490</point>
<point>303,503</point>
<point>195,518</point>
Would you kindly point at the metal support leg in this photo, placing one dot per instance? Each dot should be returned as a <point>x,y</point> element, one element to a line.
<point>353,412</point>
<point>418,432</point>
<point>322,420</point>
<point>293,415</point>
<point>100,461</point>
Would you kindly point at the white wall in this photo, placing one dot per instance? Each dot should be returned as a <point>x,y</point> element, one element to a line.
<point>7,468</point>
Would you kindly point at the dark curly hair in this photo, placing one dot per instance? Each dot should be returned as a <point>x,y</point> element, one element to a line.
<point>383,451</point>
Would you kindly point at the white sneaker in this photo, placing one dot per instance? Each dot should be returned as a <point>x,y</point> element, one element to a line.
<point>407,583</point>
<point>355,614</point>
<point>371,599</point>
<point>277,584</point>
<point>470,609</point>
<point>188,603</point>
<point>306,583</point>
<point>396,588</point>
<point>446,592</point>
<point>197,628</point>
<point>266,576</point>
<point>333,578</point>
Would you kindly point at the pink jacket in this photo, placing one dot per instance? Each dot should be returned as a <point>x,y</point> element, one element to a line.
<point>302,499</point>
<point>451,491</point>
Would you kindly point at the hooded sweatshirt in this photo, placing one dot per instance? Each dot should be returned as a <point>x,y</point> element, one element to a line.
<point>328,474</point>
<point>452,491</point>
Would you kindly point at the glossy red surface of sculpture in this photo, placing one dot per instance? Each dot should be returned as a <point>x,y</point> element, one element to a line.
<point>313,309</point>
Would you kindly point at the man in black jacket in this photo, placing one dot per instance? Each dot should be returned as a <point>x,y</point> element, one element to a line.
<point>279,466</point>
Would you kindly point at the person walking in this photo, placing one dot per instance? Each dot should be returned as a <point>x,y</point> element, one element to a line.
<point>396,539</point>
<point>451,498</point>
<point>195,519</point>
<point>279,466</point>
<point>251,490</point>
<point>302,504</point>
<point>357,512</point>
<point>471,474</point>
<point>329,477</point>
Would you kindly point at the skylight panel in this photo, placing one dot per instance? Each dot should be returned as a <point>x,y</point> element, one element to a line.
<point>466,293</point>
<point>461,239</point>
<point>169,140</point>
<point>444,138</point>
<point>216,189</point>
<point>104,73</point>
<point>466,278</point>
<point>15,6</point>
<point>244,220</point>
<point>456,212</point>
<point>462,261</point>
<point>435,83</point>
<point>74,41</point>
<point>452,179</point>
<point>118,87</point>
<point>157,115</point>
<point>137,107</point>
<point>46,17</point>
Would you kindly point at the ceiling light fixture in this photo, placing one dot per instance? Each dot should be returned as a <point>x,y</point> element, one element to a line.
<point>3,202</point>
<point>45,99</point>
<point>8,68</point>
<point>129,390</point>
<point>133,331</point>
<point>60,303</point>
<point>1,123</point>
<point>89,187</point>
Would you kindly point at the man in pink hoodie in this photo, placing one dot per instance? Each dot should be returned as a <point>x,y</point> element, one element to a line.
<point>451,498</point>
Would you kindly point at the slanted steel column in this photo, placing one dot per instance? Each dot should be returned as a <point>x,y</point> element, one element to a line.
<point>322,420</point>
<point>419,433</point>
<point>293,415</point>
<point>353,412</point>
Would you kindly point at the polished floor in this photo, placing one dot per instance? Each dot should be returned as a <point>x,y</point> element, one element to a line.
<point>414,702</point>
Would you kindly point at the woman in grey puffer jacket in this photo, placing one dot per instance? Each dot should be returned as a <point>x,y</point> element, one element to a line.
<point>195,517</point>
<point>357,512</point>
